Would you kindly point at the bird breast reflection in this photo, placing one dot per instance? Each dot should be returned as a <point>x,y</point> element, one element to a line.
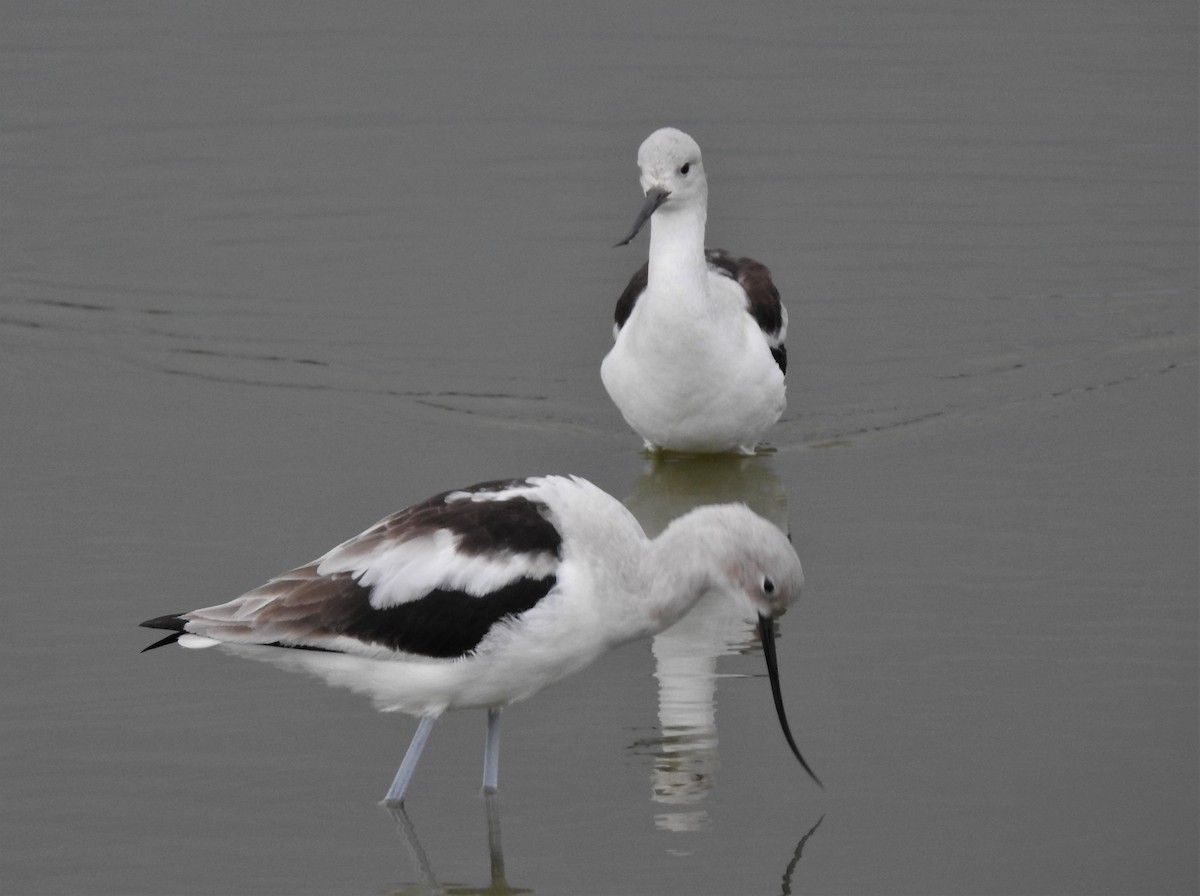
<point>686,654</point>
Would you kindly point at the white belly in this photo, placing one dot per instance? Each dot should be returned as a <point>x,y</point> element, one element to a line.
<point>682,390</point>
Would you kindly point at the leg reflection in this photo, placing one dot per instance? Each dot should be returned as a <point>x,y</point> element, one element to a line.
<point>416,855</point>
<point>428,884</point>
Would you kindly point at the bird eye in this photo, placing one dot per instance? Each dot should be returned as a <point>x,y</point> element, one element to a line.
<point>687,166</point>
<point>768,586</point>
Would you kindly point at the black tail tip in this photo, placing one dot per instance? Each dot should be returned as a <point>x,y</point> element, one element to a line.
<point>173,624</point>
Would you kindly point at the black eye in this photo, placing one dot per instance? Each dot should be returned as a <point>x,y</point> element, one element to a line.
<point>768,586</point>
<point>687,166</point>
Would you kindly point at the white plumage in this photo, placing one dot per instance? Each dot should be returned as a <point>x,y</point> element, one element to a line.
<point>483,596</point>
<point>699,360</point>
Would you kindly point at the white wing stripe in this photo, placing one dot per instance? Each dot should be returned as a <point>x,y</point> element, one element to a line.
<point>400,572</point>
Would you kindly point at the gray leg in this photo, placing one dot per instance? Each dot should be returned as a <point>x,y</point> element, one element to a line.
<point>404,774</point>
<point>491,751</point>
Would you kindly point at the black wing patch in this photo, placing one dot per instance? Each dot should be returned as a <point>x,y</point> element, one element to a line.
<point>765,305</point>
<point>762,298</point>
<point>516,524</point>
<point>442,624</point>
<point>779,353</point>
<point>636,286</point>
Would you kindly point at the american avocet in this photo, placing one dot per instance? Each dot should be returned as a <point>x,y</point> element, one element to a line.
<point>698,364</point>
<point>483,596</point>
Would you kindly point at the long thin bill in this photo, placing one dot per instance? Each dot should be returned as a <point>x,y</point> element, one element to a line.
<point>654,198</point>
<point>766,630</point>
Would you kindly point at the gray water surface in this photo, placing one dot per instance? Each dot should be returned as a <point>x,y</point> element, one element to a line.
<point>271,271</point>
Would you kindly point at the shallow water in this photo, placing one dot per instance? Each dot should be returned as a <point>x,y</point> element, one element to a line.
<point>272,271</point>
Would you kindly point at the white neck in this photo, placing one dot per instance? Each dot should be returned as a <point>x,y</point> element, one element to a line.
<point>677,250</point>
<point>676,569</point>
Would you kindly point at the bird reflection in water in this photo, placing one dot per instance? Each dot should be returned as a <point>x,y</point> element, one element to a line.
<point>428,884</point>
<point>498,884</point>
<point>686,654</point>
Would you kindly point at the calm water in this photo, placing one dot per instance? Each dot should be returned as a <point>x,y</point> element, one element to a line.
<point>270,272</point>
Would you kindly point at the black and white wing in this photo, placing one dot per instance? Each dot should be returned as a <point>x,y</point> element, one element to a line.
<point>429,581</point>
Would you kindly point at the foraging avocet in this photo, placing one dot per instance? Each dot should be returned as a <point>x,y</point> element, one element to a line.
<point>483,596</point>
<point>698,364</point>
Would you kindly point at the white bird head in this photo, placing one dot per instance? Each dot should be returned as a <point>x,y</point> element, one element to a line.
<point>672,176</point>
<point>758,564</point>
<point>762,568</point>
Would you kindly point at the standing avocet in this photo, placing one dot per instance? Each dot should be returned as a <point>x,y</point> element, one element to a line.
<point>483,596</point>
<point>698,364</point>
